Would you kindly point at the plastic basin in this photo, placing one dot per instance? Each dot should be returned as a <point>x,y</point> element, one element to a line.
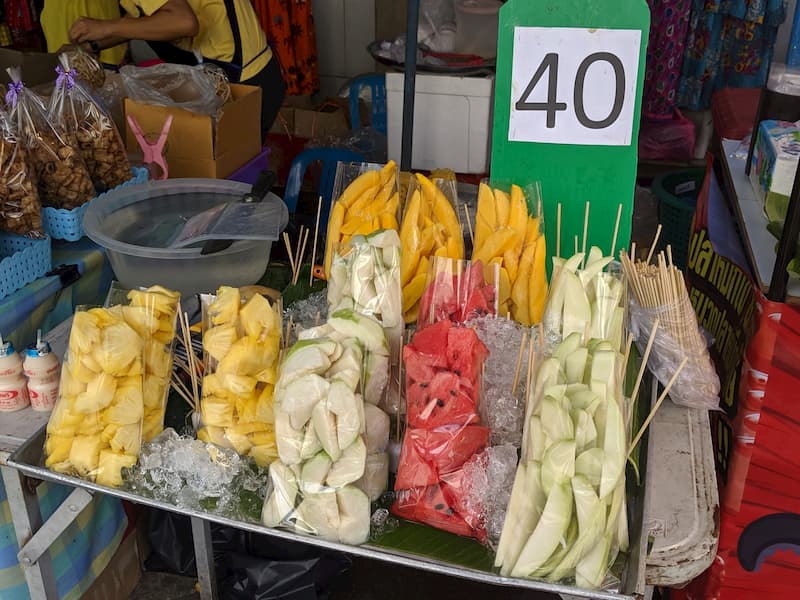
<point>135,224</point>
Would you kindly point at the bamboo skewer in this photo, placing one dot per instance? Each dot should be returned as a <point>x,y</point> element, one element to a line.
<point>519,362</point>
<point>654,244</point>
<point>656,406</point>
<point>288,245</point>
<point>301,253</point>
<point>585,231</point>
<point>314,245</point>
<point>616,230</point>
<point>558,230</point>
<point>469,225</point>
<point>643,366</point>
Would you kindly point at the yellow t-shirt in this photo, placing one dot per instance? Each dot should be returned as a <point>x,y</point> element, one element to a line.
<point>214,38</point>
<point>59,15</point>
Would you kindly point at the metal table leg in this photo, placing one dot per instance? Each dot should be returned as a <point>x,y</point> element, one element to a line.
<point>27,519</point>
<point>204,558</point>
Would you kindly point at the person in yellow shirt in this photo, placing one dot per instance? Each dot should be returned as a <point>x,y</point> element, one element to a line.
<point>58,15</point>
<point>226,32</point>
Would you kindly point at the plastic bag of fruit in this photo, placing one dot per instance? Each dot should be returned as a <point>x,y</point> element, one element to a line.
<point>95,429</point>
<point>367,200</point>
<point>331,440</point>
<point>509,238</point>
<point>241,346</point>
<point>73,110</point>
<point>152,312</point>
<point>430,227</point>
<point>457,291</point>
<point>443,365</point>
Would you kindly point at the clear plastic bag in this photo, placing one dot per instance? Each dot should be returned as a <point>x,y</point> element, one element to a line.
<point>152,312</point>
<point>73,110</point>
<point>430,227</point>
<point>95,429</point>
<point>443,365</point>
<point>241,346</point>
<point>457,291</point>
<point>20,208</point>
<point>331,442</point>
<point>365,278</point>
<point>509,237</point>
<point>566,519</point>
<point>87,66</point>
<point>367,200</point>
<point>58,167</point>
<point>179,86</point>
<point>678,336</point>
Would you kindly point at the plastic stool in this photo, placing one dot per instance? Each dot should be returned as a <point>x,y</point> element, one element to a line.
<point>377,84</point>
<point>330,158</point>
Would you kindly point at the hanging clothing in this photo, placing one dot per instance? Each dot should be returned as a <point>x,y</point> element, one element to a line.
<point>669,22</point>
<point>729,44</point>
<point>290,29</point>
<point>59,15</point>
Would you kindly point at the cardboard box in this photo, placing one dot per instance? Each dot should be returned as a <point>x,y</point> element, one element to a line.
<point>120,577</point>
<point>37,67</point>
<point>194,148</point>
<point>299,117</point>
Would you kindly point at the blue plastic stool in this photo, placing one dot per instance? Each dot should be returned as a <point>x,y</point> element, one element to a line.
<point>330,158</point>
<point>377,84</point>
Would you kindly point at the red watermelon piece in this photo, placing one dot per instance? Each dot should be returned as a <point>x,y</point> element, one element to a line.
<point>441,402</point>
<point>476,306</point>
<point>452,488</point>
<point>419,367</point>
<point>432,342</point>
<point>447,448</point>
<point>413,470</point>
<point>429,506</point>
<point>472,278</point>
<point>465,352</point>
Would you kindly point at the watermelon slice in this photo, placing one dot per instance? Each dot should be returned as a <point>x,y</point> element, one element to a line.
<point>429,506</point>
<point>440,402</point>
<point>447,448</point>
<point>432,341</point>
<point>417,365</point>
<point>413,471</point>
<point>455,493</point>
<point>476,306</point>
<point>465,352</point>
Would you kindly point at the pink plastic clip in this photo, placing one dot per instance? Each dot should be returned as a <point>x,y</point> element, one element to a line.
<point>153,153</point>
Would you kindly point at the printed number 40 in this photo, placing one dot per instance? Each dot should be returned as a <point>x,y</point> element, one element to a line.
<point>550,65</point>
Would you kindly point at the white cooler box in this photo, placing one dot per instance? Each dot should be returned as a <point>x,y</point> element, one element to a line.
<point>452,121</point>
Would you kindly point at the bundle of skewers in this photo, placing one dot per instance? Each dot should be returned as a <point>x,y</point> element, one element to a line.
<point>661,305</point>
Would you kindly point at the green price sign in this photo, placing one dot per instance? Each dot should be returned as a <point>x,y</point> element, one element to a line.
<point>566,113</point>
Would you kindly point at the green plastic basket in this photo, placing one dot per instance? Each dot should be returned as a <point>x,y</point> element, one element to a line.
<point>677,197</point>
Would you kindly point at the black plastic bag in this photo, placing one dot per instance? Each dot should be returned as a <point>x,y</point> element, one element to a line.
<point>249,566</point>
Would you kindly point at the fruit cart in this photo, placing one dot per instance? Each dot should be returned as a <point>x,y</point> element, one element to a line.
<point>679,519</point>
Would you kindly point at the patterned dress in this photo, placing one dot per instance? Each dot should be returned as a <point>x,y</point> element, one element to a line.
<point>669,22</point>
<point>729,44</point>
<point>289,25</point>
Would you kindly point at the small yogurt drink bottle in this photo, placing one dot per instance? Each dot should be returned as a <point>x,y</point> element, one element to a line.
<point>13,387</point>
<point>43,370</point>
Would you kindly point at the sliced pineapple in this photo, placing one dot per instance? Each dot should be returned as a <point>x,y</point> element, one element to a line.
<point>224,310</point>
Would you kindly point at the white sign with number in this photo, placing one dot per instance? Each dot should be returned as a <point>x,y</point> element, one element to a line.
<point>573,86</point>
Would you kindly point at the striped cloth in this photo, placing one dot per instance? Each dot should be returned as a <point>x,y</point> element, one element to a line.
<point>43,304</point>
<point>79,555</point>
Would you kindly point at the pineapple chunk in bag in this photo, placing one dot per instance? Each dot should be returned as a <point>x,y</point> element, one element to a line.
<point>224,310</point>
<point>218,340</point>
<point>84,454</point>
<point>110,465</point>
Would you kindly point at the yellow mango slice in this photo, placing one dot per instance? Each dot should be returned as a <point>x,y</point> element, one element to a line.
<point>334,231</point>
<point>537,290</point>
<point>413,291</point>
<point>497,243</point>
<point>485,219</point>
<point>511,261</point>
<point>502,207</point>
<point>359,185</point>
<point>520,308</point>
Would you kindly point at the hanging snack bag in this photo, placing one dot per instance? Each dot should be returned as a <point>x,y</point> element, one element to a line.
<point>73,111</point>
<point>241,342</point>
<point>20,208</point>
<point>60,172</point>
